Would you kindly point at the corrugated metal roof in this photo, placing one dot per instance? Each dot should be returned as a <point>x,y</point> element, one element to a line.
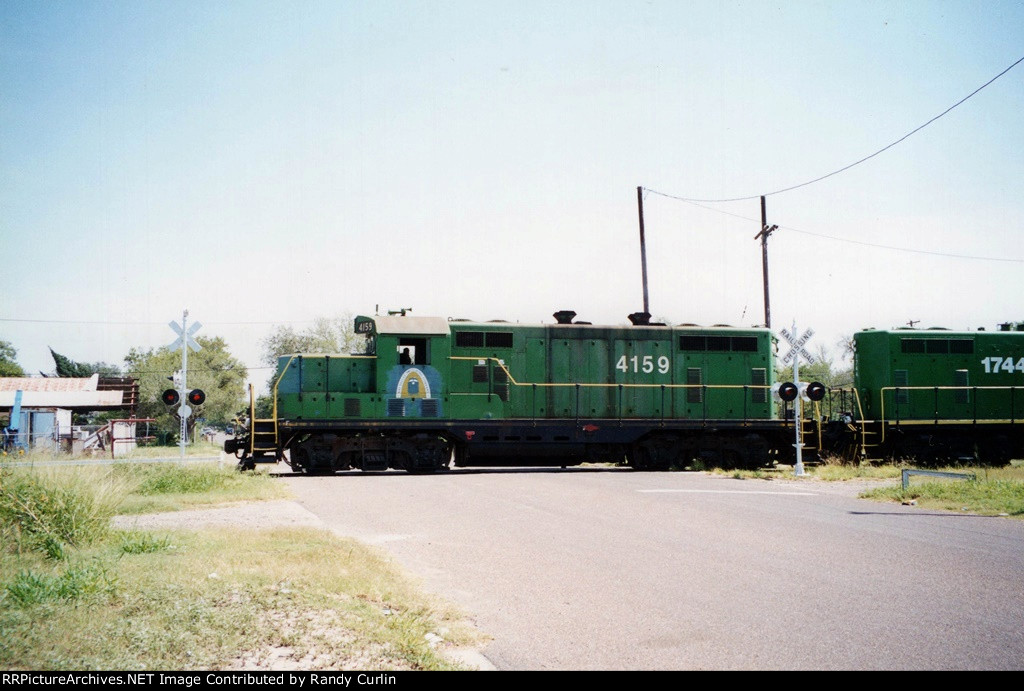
<point>83,400</point>
<point>49,383</point>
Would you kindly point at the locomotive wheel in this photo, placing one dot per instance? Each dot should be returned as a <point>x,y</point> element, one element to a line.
<point>652,455</point>
<point>731,460</point>
<point>640,458</point>
<point>995,452</point>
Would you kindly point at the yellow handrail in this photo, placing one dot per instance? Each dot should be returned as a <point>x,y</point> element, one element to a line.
<point>612,384</point>
<point>882,390</point>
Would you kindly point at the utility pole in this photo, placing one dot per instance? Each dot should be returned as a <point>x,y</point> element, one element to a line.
<point>643,245</point>
<point>763,235</point>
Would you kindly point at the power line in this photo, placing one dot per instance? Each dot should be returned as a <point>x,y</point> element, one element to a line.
<point>862,242</point>
<point>846,167</point>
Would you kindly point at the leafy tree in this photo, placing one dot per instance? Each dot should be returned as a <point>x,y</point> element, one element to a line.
<point>324,336</point>
<point>9,366</point>
<point>825,370</point>
<point>67,367</point>
<point>213,369</point>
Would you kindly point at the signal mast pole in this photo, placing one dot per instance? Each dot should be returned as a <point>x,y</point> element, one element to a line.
<point>183,429</point>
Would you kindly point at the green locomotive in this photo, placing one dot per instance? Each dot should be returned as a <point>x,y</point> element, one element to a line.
<point>425,390</point>
<point>936,395</point>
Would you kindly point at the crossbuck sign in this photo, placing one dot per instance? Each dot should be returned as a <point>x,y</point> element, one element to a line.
<point>797,346</point>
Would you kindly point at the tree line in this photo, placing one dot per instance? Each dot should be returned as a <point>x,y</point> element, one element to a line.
<point>221,375</point>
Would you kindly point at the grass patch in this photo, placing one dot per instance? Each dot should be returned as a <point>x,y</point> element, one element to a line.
<point>831,473</point>
<point>199,448</point>
<point>69,583</point>
<point>172,487</point>
<point>840,473</point>
<point>143,542</point>
<point>49,511</point>
<point>75,594</point>
<point>996,491</point>
<point>224,599</point>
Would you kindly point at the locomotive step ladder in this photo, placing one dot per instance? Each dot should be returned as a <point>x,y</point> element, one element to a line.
<point>871,439</point>
<point>263,433</point>
<point>264,437</point>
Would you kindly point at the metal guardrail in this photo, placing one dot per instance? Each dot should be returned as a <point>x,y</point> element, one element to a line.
<point>935,473</point>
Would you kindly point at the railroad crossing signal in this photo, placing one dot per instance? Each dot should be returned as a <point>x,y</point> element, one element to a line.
<point>184,343</point>
<point>797,351</point>
<point>797,346</point>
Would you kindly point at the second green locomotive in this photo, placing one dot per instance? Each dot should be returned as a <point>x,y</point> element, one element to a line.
<point>936,396</point>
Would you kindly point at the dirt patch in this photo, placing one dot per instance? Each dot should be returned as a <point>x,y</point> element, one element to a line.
<point>277,514</point>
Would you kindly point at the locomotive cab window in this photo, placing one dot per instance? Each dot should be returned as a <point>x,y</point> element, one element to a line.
<point>413,351</point>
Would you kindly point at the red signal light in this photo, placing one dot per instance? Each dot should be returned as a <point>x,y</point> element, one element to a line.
<point>788,391</point>
<point>196,396</point>
<point>169,397</point>
<point>815,391</point>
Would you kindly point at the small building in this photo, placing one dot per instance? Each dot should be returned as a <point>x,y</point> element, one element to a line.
<point>43,406</point>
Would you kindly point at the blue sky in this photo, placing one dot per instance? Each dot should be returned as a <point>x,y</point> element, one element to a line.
<point>264,163</point>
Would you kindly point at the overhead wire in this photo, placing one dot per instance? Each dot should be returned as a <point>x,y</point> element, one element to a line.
<point>846,167</point>
<point>862,242</point>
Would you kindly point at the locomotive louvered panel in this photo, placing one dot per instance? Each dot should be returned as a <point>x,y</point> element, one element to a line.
<point>961,377</point>
<point>695,394</point>
<point>396,407</point>
<point>759,377</point>
<point>469,339</point>
<point>428,407</point>
<point>499,339</point>
<point>693,343</point>
<point>744,344</point>
<point>499,375</point>
<point>352,407</point>
<point>501,391</point>
<point>479,374</point>
<point>901,377</point>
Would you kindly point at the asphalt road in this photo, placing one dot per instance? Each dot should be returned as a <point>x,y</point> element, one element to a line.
<point>585,569</point>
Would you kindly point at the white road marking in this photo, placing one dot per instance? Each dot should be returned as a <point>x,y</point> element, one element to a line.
<point>729,491</point>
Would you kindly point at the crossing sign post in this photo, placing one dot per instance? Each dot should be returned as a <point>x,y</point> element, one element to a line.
<point>186,343</point>
<point>797,351</point>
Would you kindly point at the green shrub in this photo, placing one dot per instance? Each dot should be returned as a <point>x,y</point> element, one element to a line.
<point>73,583</point>
<point>172,478</point>
<point>142,542</point>
<point>50,512</point>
